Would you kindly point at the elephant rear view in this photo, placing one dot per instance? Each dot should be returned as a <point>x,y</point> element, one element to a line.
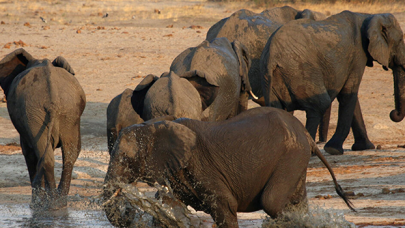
<point>208,82</point>
<point>45,102</point>
<point>120,114</point>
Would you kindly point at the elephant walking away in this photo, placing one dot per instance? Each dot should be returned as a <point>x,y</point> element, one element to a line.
<point>45,102</point>
<point>255,160</point>
<point>208,82</point>
<point>306,64</point>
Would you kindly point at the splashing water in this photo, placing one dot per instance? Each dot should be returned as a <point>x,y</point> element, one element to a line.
<point>317,217</point>
<point>152,212</point>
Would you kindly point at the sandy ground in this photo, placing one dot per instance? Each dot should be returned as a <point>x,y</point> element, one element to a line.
<point>142,37</point>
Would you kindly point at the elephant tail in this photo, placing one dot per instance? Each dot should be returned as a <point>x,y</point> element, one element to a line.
<point>51,109</point>
<point>339,190</point>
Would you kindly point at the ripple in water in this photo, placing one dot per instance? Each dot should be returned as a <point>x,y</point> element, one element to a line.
<point>20,215</point>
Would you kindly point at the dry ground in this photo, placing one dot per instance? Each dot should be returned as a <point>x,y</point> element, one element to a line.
<point>113,53</point>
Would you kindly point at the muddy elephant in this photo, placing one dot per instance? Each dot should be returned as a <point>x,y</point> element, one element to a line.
<point>208,82</point>
<point>210,166</point>
<point>45,102</point>
<point>254,29</point>
<point>307,64</point>
<point>120,114</point>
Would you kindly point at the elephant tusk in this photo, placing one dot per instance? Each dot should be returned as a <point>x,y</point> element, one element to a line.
<point>112,197</point>
<point>253,95</point>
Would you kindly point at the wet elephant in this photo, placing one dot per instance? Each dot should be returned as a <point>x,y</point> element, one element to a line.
<point>45,102</point>
<point>306,64</point>
<point>210,166</point>
<point>208,82</point>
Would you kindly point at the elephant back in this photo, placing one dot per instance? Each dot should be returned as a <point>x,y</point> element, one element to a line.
<point>172,95</point>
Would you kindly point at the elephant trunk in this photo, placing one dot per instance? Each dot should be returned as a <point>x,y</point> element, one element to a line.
<point>399,92</point>
<point>117,210</point>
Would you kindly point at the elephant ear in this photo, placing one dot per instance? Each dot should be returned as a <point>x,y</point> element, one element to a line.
<point>173,147</point>
<point>244,64</point>
<point>206,87</point>
<point>378,36</point>
<point>63,63</point>
<point>12,65</point>
<point>138,96</point>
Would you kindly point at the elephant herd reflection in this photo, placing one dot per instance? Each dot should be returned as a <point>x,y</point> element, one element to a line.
<point>191,126</point>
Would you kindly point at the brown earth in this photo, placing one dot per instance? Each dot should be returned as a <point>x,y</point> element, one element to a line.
<point>141,37</point>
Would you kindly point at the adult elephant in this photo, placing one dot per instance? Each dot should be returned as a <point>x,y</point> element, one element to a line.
<point>307,64</point>
<point>210,166</point>
<point>45,102</point>
<point>254,29</point>
<point>208,82</point>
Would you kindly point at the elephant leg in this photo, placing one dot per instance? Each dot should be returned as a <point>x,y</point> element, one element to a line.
<point>287,184</point>
<point>30,158</point>
<point>313,120</point>
<point>347,104</point>
<point>361,141</point>
<point>44,182</point>
<point>324,126</point>
<point>224,212</point>
<point>71,146</point>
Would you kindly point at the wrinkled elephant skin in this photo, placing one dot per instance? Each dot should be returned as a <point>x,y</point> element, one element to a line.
<point>211,168</point>
<point>307,64</point>
<point>45,102</point>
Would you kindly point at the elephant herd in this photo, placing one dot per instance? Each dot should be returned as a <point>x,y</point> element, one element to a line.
<point>191,126</point>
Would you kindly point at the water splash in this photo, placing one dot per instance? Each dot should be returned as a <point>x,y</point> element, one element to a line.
<point>152,212</point>
<point>317,217</point>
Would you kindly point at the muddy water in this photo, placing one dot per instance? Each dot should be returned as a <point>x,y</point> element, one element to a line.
<point>20,215</point>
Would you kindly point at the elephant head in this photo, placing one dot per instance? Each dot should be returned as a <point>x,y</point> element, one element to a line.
<point>20,60</point>
<point>146,152</point>
<point>386,46</point>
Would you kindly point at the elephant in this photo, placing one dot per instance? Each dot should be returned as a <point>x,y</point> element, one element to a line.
<point>254,29</point>
<point>45,102</point>
<point>208,82</point>
<point>120,114</point>
<point>255,160</point>
<point>307,64</point>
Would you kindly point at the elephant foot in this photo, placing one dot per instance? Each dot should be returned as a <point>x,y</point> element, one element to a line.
<point>333,149</point>
<point>367,145</point>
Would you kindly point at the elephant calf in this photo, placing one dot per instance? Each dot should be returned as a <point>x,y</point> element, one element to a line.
<point>120,114</point>
<point>208,82</point>
<point>256,160</point>
<point>45,102</point>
